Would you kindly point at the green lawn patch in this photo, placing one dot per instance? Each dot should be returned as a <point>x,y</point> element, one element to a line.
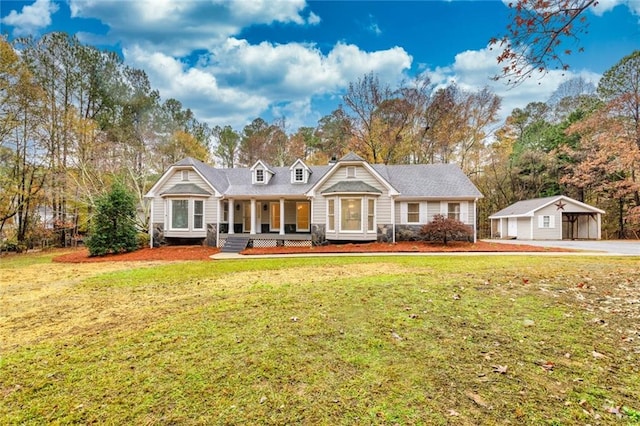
<point>385,340</point>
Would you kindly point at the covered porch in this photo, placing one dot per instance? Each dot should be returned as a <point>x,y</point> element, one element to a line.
<point>267,222</point>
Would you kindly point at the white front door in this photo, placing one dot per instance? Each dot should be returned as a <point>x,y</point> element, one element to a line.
<point>512,227</point>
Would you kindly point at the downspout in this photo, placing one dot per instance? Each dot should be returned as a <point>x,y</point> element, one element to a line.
<point>218,222</point>
<point>151,225</point>
<point>393,219</point>
<point>475,220</point>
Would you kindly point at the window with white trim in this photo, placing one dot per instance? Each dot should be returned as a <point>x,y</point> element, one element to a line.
<point>413,212</point>
<point>179,214</point>
<point>351,214</point>
<point>298,174</point>
<point>371,214</point>
<point>453,211</point>
<point>259,175</point>
<point>331,215</point>
<point>546,221</point>
<point>198,214</point>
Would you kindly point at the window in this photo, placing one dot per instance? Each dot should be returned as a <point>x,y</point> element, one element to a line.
<point>225,211</point>
<point>180,214</point>
<point>331,215</point>
<point>351,172</point>
<point>259,175</point>
<point>351,214</point>
<point>198,214</point>
<point>413,212</point>
<point>453,211</point>
<point>185,175</point>
<point>371,215</point>
<point>546,221</point>
<point>298,175</point>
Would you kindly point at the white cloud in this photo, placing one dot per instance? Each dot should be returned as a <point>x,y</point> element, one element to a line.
<point>196,89</point>
<point>239,81</point>
<point>32,18</point>
<point>178,28</point>
<point>472,68</point>
<point>313,19</point>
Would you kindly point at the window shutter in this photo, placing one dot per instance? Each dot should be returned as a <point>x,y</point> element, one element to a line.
<point>552,220</point>
<point>424,212</point>
<point>464,211</point>
<point>444,207</point>
<point>540,221</point>
<point>403,213</point>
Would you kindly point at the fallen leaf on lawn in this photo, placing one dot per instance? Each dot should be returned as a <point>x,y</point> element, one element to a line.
<point>478,400</point>
<point>456,297</point>
<point>548,366</point>
<point>395,335</point>
<point>598,355</point>
<point>453,413</point>
<point>263,400</point>
<point>502,369</point>
<point>294,319</point>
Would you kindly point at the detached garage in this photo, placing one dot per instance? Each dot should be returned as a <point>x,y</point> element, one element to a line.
<point>549,218</point>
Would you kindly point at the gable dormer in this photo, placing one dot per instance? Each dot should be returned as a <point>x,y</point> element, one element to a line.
<point>300,172</point>
<point>261,174</point>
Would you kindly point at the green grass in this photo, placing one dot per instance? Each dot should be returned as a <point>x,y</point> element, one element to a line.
<point>393,340</point>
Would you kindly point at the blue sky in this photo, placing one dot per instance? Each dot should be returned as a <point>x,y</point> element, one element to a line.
<point>233,61</point>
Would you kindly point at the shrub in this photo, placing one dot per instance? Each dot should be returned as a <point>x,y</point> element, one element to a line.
<point>143,239</point>
<point>113,228</point>
<point>445,229</point>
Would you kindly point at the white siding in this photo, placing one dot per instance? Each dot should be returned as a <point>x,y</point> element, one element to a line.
<point>160,204</point>
<point>383,204</point>
<point>554,232</point>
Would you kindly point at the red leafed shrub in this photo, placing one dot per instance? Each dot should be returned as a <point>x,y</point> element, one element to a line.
<point>445,229</point>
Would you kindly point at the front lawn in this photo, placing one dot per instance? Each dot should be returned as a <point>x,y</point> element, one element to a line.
<point>384,340</point>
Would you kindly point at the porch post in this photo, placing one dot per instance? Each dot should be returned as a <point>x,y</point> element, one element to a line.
<point>232,211</point>
<point>281,216</point>
<point>253,216</point>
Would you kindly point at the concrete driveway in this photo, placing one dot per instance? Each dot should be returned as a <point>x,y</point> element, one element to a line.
<point>624,247</point>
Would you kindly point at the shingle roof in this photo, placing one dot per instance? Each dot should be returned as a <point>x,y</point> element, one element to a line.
<point>352,157</point>
<point>418,180</point>
<point>528,207</point>
<point>355,186</point>
<point>185,189</point>
<point>429,180</point>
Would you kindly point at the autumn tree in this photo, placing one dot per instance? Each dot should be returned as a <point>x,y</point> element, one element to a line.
<point>226,145</point>
<point>23,148</point>
<point>540,37</point>
<point>332,134</point>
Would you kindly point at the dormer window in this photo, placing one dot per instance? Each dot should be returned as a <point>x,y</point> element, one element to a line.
<point>299,172</point>
<point>261,173</point>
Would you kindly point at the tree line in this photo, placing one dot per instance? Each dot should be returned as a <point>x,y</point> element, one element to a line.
<point>75,119</point>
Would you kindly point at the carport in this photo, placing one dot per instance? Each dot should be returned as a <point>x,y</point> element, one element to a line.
<point>550,218</point>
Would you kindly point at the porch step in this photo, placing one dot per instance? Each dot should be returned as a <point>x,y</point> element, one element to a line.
<point>235,243</point>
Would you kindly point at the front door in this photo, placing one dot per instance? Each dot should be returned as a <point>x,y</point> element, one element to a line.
<point>302,216</point>
<point>274,217</point>
<point>246,216</point>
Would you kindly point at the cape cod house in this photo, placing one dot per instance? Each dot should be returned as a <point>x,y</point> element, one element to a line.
<point>550,218</point>
<point>347,200</point>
